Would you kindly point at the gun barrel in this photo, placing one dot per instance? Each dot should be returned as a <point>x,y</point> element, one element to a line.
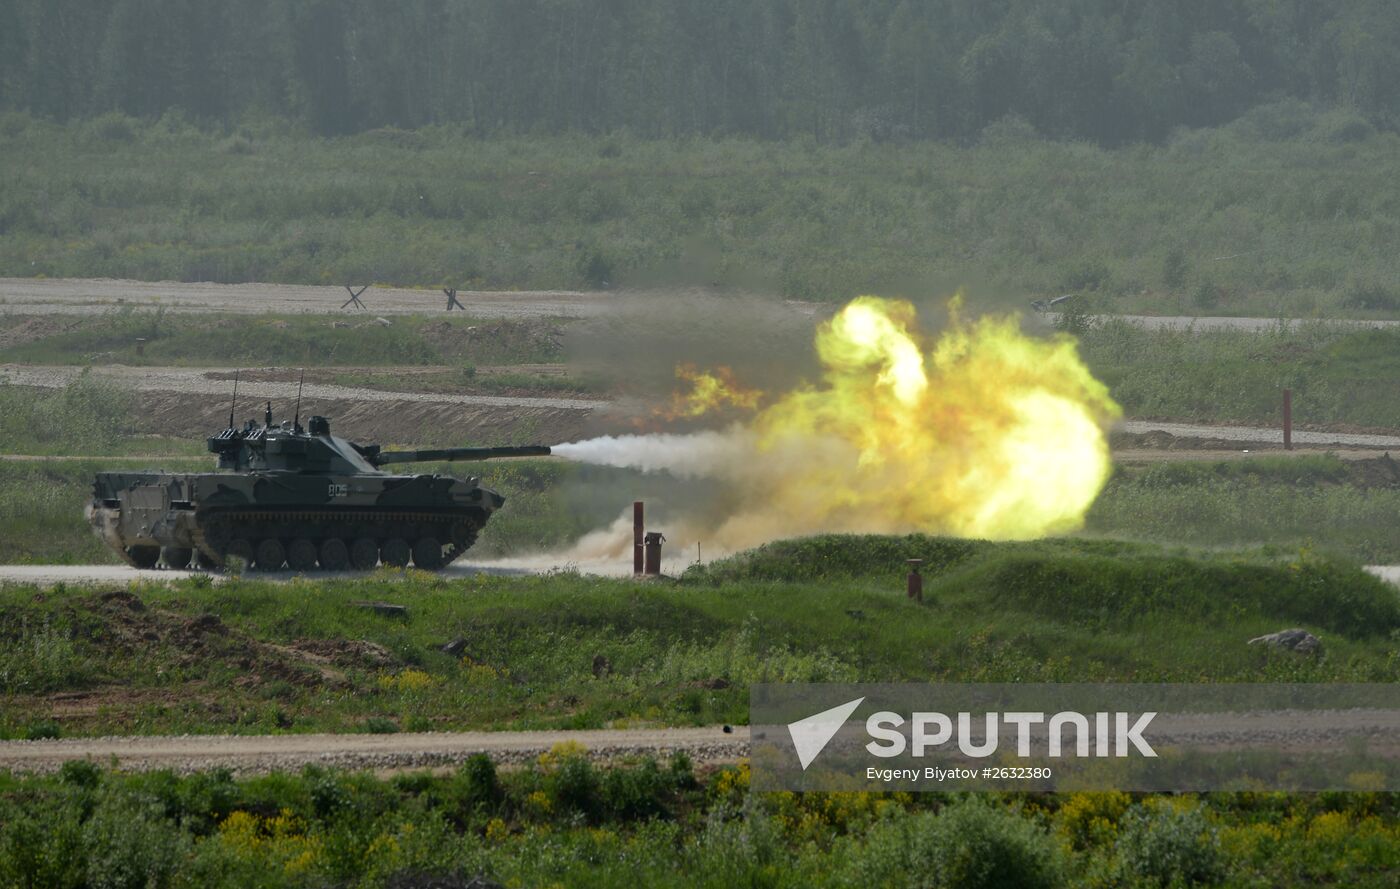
<point>458,454</point>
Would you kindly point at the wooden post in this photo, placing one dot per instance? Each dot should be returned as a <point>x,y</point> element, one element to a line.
<point>1288,419</point>
<point>915,586</point>
<point>638,529</point>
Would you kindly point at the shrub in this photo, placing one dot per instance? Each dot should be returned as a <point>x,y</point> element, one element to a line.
<point>636,792</point>
<point>42,730</point>
<point>1174,269</point>
<point>41,842</point>
<point>80,773</point>
<point>130,846</point>
<point>1168,846</point>
<point>1010,131</point>
<point>574,786</point>
<point>969,845</point>
<point>595,269</point>
<point>381,725</point>
<point>1370,295</point>
<point>111,127</point>
<point>477,783</point>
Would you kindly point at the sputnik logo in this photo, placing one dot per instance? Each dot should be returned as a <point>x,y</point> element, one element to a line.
<point>811,735</point>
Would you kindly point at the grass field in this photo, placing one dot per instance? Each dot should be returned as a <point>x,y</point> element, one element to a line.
<point>819,609</point>
<point>1339,377</point>
<point>562,821</point>
<point>1230,220</point>
<point>271,340</point>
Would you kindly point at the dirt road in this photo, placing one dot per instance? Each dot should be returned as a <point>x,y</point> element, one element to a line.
<point>1225,322</point>
<point>263,753</point>
<point>1259,434</point>
<point>88,296</point>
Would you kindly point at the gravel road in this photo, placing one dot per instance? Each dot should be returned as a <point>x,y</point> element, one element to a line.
<point>251,754</point>
<point>84,296</point>
<point>197,381</point>
<point>1259,434</point>
<point>1211,322</point>
<point>87,296</point>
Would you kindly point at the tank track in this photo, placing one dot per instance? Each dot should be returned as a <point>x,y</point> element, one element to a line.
<point>215,529</point>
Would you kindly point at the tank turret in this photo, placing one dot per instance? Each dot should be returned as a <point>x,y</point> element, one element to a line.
<point>285,496</point>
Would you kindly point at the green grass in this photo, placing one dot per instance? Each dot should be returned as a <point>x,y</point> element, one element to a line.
<point>1215,221</point>
<point>684,653</point>
<point>271,340</point>
<point>1338,376</point>
<point>563,821</point>
<point>1210,505</point>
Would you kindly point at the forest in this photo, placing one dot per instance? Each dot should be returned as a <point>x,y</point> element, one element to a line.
<point>1112,72</point>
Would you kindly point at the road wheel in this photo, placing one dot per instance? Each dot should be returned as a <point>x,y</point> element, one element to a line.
<point>270,555</point>
<point>395,552</point>
<point>240,551</point>
<point>364,554</point>
<point>301,555</point>
<point>143,556</point>
<point>177,557</point>
<point>205,562</point>
<point>427,553</point>
<point>335,555</point>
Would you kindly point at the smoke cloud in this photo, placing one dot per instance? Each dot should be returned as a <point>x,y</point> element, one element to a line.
<point>979,432</point>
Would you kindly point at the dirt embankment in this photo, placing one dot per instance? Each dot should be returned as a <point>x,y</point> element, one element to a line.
<point>194,402</point>
<point>391,422</point>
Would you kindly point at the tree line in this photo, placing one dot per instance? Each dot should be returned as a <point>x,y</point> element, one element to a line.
<point>1109,71</point>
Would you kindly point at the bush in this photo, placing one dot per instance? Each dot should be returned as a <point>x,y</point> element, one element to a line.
<point>477,784</point>
<point>1166,846</point>
<point>1370,295</point>
<point>574,786</point>
<point>129,845</point>
<point>112,127</point>
<point>88,414</point>
<point>41,842</point>
<point>1010,131</point>
<point>969,845</point>
<point>80,773</point>
<point>1174,269</point>
<point>381,725</point>
<point>595,269</point>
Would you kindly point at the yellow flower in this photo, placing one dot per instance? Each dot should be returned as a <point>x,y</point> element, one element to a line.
<point>561,750</point>
<point>540,802</point>
<point>409,680</point>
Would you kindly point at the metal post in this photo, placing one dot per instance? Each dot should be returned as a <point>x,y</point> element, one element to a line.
<point>1288,419</point>
<point>638,529</point>
<point>915,589</point>
<point>654,539</point>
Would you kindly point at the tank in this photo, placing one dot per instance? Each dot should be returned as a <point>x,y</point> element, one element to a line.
<point>303,499</point>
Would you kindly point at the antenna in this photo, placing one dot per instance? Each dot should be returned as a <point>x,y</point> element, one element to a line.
<point>296,417</point>
<point>233,404</point>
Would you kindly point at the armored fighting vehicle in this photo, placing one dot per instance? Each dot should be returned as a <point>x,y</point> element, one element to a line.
<point>299,498</point>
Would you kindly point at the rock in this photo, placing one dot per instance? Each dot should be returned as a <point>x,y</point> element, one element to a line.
<point>384,322</point>
<point>1300,641</point>
<point>601,666</point>
<point>457,647</point>
<point>387,609</point>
